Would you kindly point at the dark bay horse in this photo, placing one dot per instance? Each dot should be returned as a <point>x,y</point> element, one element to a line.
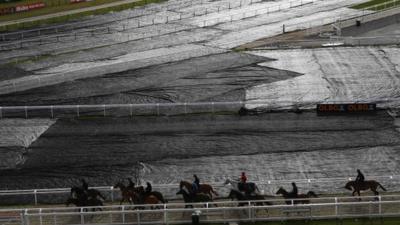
<point>188,198</point>
<point>78,192</point>
<point>142,193</point>
<point>234,194</point>
<point>302,197</point>
<point>127,193</point>
<point>356,187</point>
<point>204,188</point>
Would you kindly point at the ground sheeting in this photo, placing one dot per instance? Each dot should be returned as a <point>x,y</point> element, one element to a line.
<point>348,74</point>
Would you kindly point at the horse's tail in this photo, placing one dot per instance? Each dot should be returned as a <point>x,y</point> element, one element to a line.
<point>380,185</point>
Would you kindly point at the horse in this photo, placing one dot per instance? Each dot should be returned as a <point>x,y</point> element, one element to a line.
<point>198,197</point>
<point>77,192</point>
<point>248,187</point>
<point>83,202</point>
<point>290,195</point>
<point>362,186</point>
<point>234,194</point>
<point>147,198</point>
<point>127,194</point>
<point>204,188</point>
<point>140,190</point>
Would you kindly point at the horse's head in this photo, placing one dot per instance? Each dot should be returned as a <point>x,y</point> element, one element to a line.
<point>312,194</point>
<point>349,185</point>
<point>227,182</point>
<point>281,191</point>
<point>180,192</point>
<point>119,185</point>
<point>181,184</point>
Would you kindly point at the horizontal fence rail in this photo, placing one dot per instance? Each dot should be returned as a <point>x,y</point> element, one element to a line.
<point>267,188</point>
<point>210,212</point>
<point>179,108</point>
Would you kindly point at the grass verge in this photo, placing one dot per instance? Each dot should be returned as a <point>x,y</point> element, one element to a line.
<point>364,221</point>
<point>62,19</point>
<point>371,3</point>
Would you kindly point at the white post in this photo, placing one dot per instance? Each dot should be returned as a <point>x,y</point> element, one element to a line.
<point>51,110</point>
<point>130,109</point>
<point>104,110</point>
<point>82,216</point>
<point>35,194</point>
<point>380,205</point>
<point>336,206</point>
<point>185,108</point>
<point>112,193</point>
<point>165,214</point>
<point>158,109</point>
<point>40,217</point>
<point>249,205</point>
<point>77,110</point>
<point>26,217</point>
<point>123,214</point>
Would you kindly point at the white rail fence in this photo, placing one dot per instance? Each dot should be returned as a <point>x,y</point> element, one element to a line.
<point>158,109</point>
<point>43,36</point>
<point>211,212</point>
<point>267,188</point>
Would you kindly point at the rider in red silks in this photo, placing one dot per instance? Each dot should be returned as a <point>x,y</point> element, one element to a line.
<point>243,178</point>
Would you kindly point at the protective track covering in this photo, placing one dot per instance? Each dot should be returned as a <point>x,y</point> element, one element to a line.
<point>331,74</point>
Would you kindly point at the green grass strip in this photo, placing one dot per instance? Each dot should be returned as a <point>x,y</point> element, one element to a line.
<point>372,3</point>
<point>62,8</point>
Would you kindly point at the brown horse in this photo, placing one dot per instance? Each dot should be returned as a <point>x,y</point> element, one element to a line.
<point>190,198</point>
<point>362,186</point>
<point>148,199</point>
<point>127,194</point>
<point>204,188</point>
<point>302,197</point>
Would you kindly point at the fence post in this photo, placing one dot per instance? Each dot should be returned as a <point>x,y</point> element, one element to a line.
<point>131,110</point>
<point>52,113</point>
<point>380,205</point>
<point>112,193</point>
<point>26,218</point>
<point>185,107</point>
<point>212,107</point>
<point>77,110</point>
<point>82,216</point>
<point>249,205</point>
<point>165,214</point>
<point>123,214</point>
<point>336,207</point>
<point>1,112</point>
<point>104,110</point>
<point>40,217</point>
<point>35,196</point>
<point>158,109</point>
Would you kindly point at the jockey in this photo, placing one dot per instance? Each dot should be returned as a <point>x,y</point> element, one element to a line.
<point>294,190</point>
<point>243,178</point>
<point>148,187</point>
<point>85,185</point>
<point>360,177</point>
<point>195,184</point>
<point>131,184</point>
